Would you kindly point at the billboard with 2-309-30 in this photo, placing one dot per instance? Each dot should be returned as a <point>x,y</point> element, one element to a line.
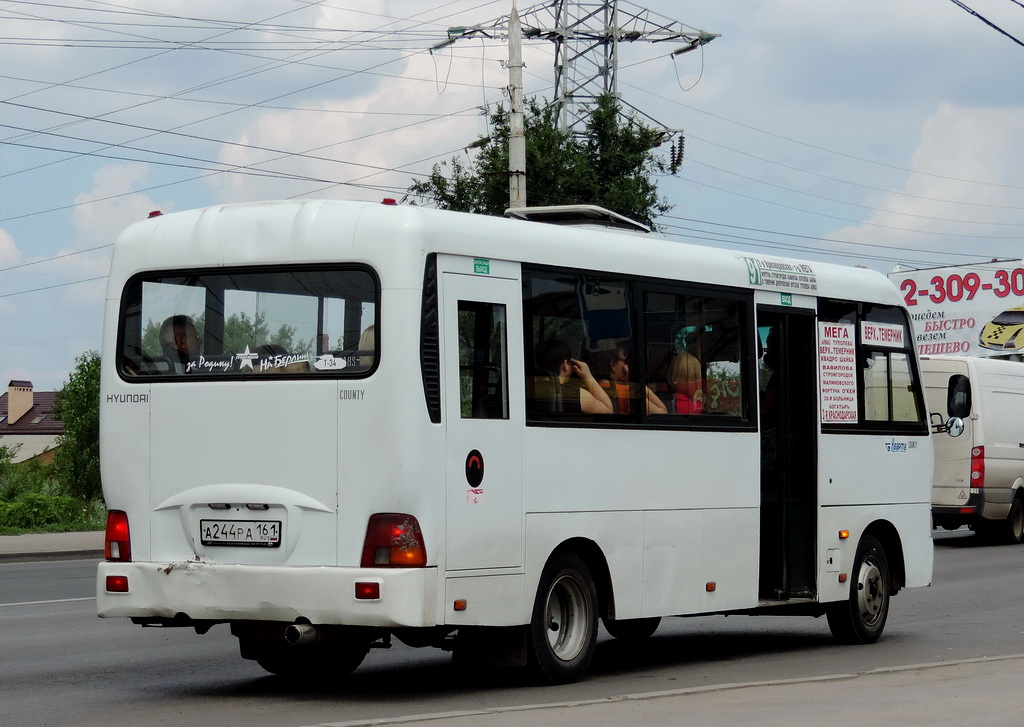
<point>968,310</point>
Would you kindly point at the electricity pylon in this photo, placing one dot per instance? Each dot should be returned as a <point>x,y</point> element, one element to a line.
<point>586,36</point>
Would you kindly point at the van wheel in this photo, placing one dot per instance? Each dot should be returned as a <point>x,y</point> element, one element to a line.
<point>563,630</point>
<point>632,629</point>
<point>1013,529</point>
<point>861,618</point>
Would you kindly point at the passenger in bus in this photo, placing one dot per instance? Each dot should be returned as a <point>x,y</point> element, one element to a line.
<point>612,372</point>
<point>556,390</point>
<point>685,378</point>
<point>179,341</point>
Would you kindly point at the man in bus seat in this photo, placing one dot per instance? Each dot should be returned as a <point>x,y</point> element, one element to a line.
<point>555,389</point>
<point>179,341</point>
<point>611,369</point>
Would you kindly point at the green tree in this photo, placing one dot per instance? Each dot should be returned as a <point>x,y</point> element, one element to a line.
<point>240,331</point>
<point>77,459</point>
<point>611,165</point>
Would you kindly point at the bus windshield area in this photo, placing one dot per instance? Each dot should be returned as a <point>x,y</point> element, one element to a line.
<point>297,322</point>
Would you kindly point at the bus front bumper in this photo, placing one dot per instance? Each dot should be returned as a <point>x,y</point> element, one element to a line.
<point>203,591</point>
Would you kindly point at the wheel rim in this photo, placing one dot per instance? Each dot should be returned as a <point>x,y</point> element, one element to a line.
<point>566,618</point>
<point>1017,523</point>
<point>871,591</point>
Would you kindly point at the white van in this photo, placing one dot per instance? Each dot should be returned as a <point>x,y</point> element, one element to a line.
<point>979,471</point>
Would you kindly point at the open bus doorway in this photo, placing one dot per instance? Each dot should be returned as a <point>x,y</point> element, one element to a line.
<point>788,455</point>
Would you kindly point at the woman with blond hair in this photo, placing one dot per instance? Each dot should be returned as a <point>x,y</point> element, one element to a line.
<point>686,379</point>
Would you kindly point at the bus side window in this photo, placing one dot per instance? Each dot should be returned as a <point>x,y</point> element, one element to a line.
<point>483,357</point>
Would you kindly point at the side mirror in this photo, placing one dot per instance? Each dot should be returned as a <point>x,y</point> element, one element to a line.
<point>954,426</point>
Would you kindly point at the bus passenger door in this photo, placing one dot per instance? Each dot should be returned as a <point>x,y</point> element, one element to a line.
<point>788,423</point>
<point>482,358</point>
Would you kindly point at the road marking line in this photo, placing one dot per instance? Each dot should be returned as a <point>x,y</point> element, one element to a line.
<point>56,600</point>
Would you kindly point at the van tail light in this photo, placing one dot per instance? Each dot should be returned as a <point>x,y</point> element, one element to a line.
<point>978,467</point>
<point>393,540</point>
<point>117,542</point>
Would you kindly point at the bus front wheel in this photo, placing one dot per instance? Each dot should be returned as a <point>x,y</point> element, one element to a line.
<point>861,618</point>
<point>563,629</point>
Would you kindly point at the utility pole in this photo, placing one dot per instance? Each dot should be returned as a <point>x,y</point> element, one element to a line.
<point>587,35</point>
<point>516,137</point>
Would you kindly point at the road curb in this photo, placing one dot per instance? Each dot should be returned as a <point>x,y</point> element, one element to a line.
<point>27,557</point>
<point>438,716</point>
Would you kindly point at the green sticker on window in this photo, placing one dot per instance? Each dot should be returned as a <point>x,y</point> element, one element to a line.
<point>481,266</point>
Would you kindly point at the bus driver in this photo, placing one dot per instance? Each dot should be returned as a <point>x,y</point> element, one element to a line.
<point>179,341</point>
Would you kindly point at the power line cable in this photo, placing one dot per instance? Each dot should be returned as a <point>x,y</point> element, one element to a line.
<point>986,21</point>
<point>819,148</point>
<point>878,246</point>
<point>843,219</point>
<point>848,182</point>
<point>51,287</point>
<point>691,160</point>
<point>55,257</point>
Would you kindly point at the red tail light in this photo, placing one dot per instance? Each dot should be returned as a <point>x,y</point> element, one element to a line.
<point>393,540</point>
<point>118,544</point>
<point>117,584</point>
<point>978,467</point>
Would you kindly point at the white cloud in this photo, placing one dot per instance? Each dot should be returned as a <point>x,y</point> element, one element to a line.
<point>942,201</point>
<point>9,253</point>
<point>105,210</point>
<point>404,111</point>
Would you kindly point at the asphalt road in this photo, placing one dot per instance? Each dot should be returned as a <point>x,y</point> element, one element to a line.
<point>60,665</point>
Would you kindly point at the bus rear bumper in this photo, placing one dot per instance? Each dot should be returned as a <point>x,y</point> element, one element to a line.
<point>203,591</point>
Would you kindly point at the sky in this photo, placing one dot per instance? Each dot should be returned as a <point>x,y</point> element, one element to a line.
<point>861,132</point>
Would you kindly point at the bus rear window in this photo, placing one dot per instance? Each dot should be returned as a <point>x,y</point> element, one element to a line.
<point>296,322</point>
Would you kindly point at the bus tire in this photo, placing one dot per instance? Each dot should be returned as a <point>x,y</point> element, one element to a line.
<point>632,629</point>
<point>861,618</point>
<point>563,630</point>
<point>314,663</point>
<point>1013,526</point>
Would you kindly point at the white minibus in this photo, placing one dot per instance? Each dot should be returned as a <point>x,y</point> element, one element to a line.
<point>328,424</point>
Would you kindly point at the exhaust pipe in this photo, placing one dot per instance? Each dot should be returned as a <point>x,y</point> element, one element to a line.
<point>301,634</point>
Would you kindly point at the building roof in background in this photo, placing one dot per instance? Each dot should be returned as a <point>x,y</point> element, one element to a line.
<point>39,420</point>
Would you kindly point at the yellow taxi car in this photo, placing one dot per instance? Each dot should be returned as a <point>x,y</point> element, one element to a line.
<point>1005,332</point>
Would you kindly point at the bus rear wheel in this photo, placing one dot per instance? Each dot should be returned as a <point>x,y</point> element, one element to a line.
<point>314,663</point>
<point>861,618</point>
<point>632,629</point>
<point>563,629</point>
